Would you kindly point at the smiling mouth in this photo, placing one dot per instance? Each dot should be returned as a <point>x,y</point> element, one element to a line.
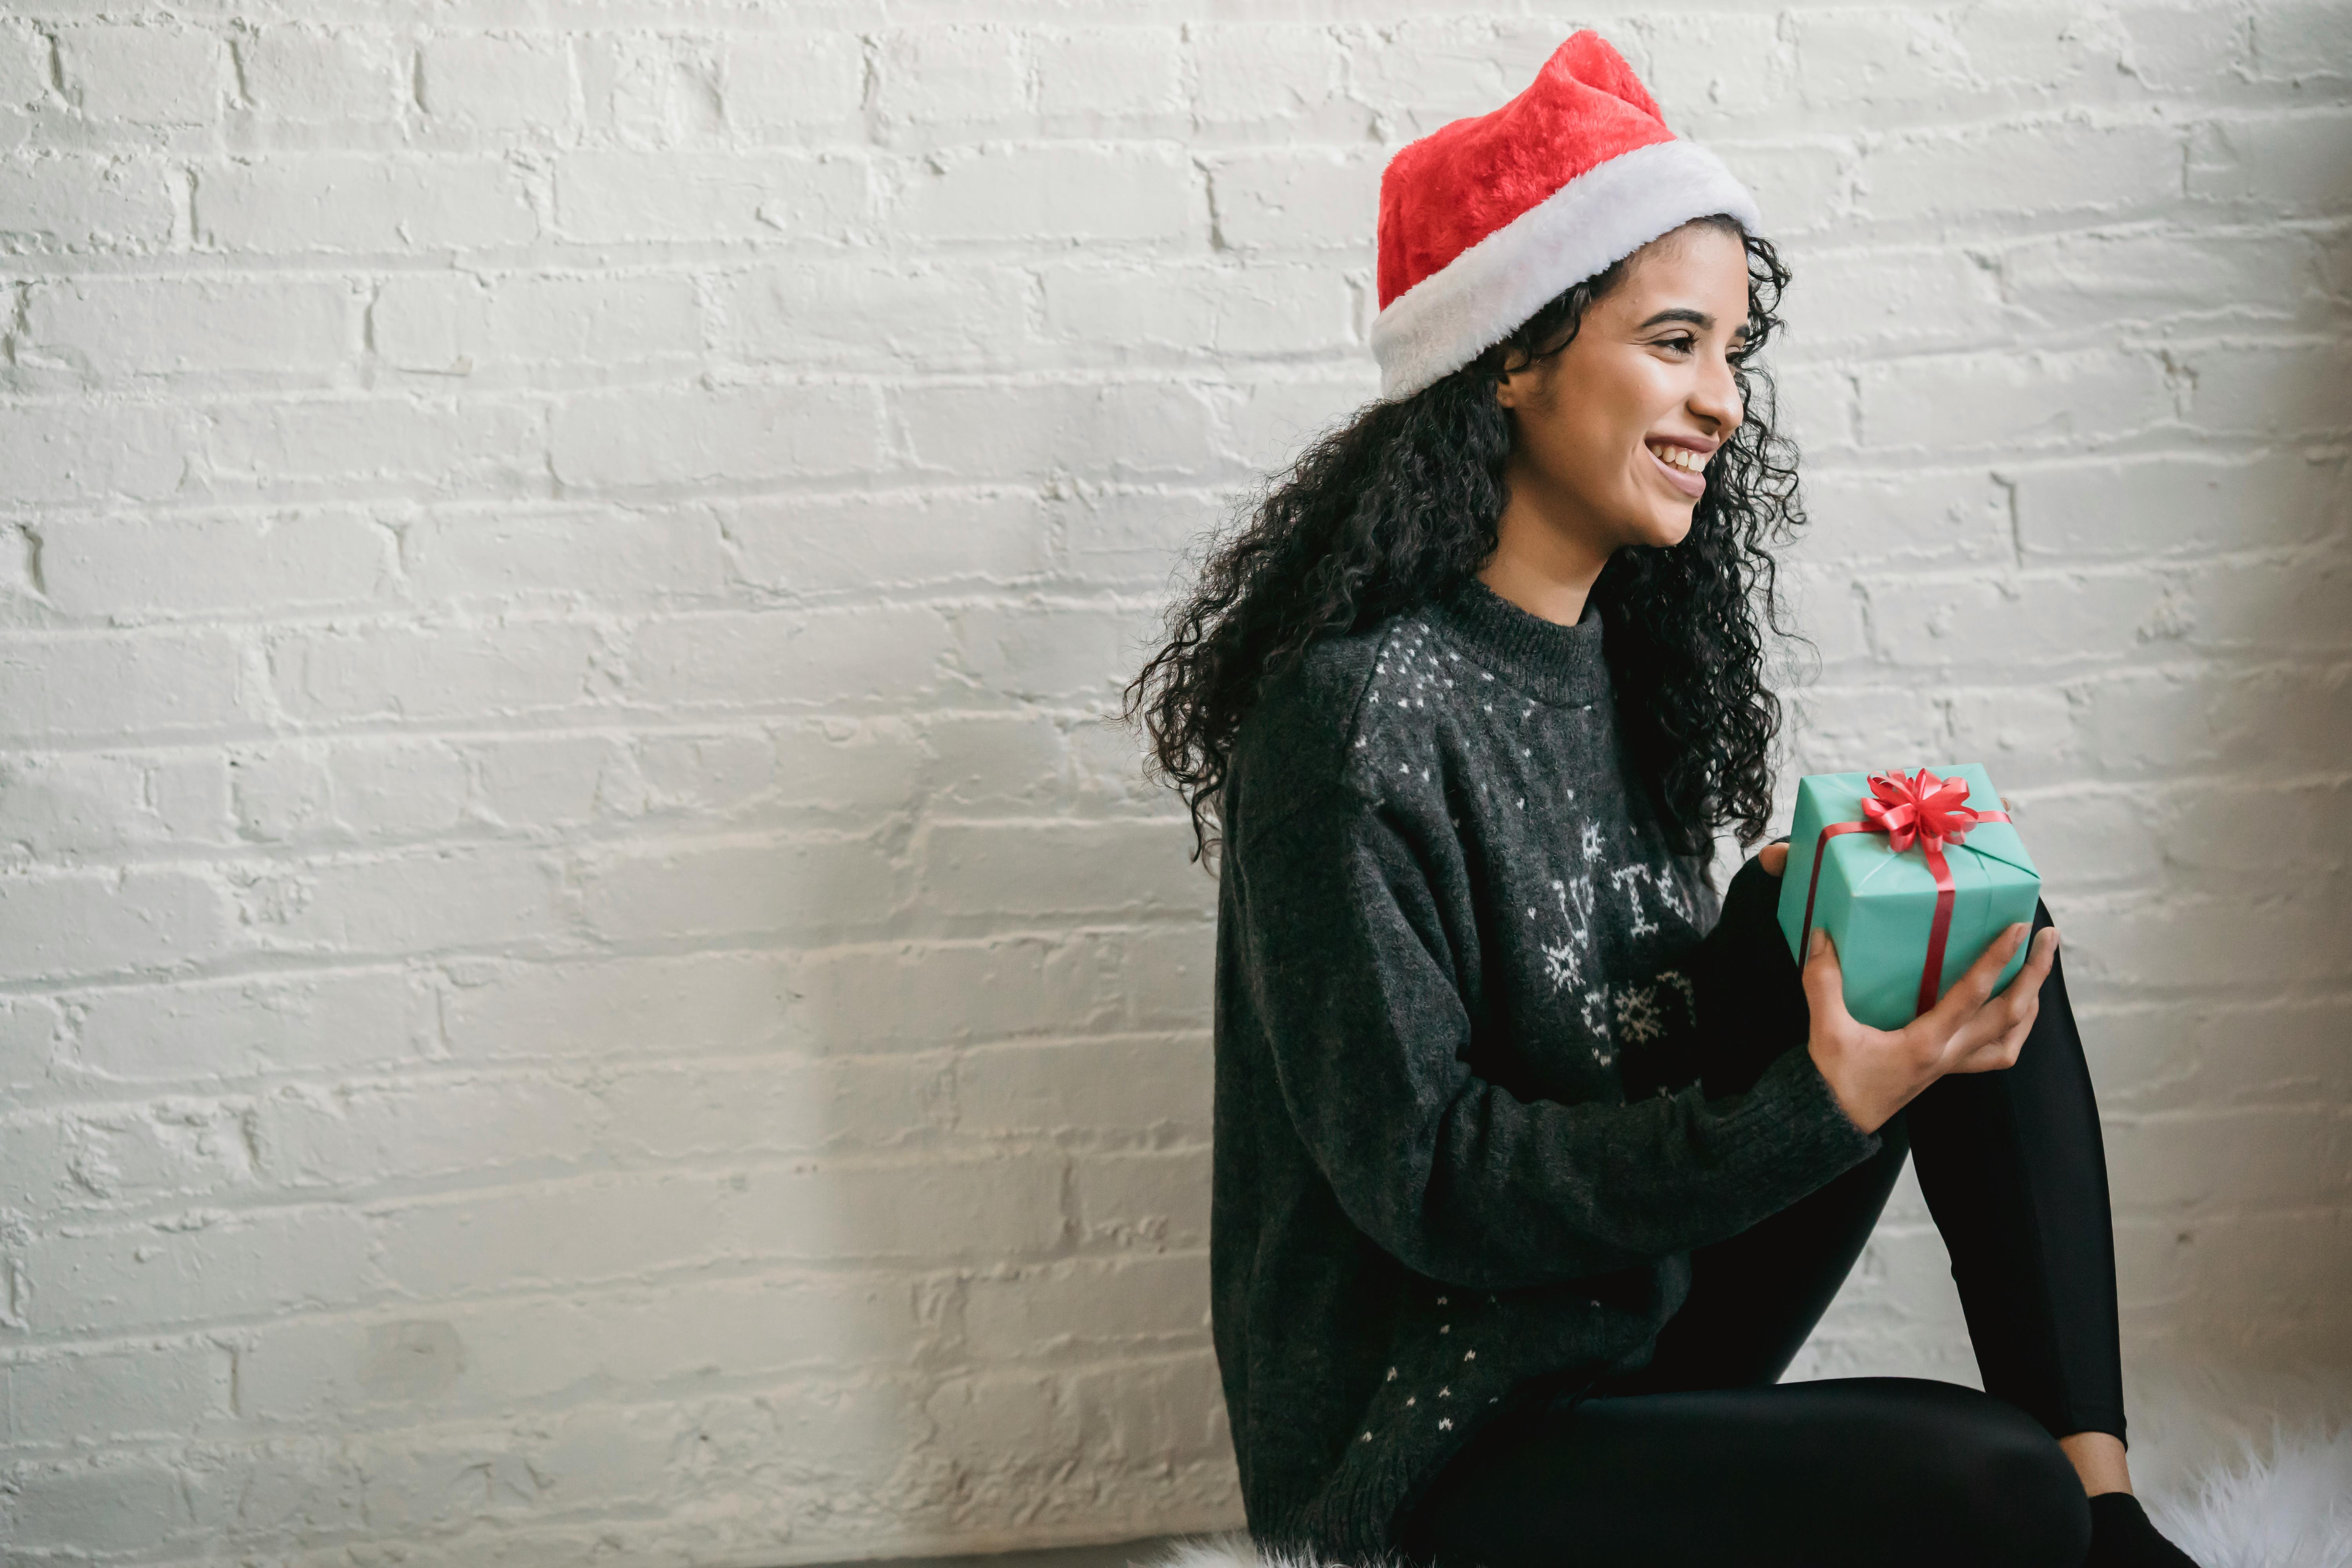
<point>1688,478</point>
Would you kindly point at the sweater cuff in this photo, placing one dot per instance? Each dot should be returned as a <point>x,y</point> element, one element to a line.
<point>1814,1138</point>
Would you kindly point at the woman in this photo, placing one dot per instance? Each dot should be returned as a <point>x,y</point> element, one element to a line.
<point>1536,1163</point>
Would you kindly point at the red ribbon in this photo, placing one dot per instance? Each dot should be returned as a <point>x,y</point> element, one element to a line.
<point>1925,810</point>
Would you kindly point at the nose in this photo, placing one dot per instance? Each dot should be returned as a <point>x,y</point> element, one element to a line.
<point>1715,398</point>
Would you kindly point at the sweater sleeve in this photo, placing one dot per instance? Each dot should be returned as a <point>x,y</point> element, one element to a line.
<point>1348,968</point>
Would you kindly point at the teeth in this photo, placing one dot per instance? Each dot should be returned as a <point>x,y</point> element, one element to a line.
<point>1682,457</point>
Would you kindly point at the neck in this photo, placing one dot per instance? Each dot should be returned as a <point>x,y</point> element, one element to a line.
<point>1543,561</point>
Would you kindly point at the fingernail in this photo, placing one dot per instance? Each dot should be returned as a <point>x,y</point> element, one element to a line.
<point>1814,945</point>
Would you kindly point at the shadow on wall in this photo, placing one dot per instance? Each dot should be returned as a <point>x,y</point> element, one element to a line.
<point>1013,1042</point>
<point>1020,1126</point>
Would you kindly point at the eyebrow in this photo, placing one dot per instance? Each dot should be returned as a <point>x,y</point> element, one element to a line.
<point>1698,318</point>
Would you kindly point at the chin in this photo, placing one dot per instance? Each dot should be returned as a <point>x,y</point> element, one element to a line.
<point>1663,532</point>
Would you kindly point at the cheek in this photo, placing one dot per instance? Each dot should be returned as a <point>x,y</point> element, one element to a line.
<point>1575,441</point>
<point>1594,441</point>
<point>1612,419</point>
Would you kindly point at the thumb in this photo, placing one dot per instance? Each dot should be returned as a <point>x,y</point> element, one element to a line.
<point>1825,981</point>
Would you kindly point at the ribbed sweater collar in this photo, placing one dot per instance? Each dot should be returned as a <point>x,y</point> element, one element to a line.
<point>1549,662</point>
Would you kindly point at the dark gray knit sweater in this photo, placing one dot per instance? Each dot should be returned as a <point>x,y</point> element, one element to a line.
<point>1460,1158</point>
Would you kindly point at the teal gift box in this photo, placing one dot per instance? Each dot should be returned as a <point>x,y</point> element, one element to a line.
<point>1878,904</point>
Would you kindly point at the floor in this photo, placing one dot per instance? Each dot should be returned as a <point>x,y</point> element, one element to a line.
<point>1118,1556</point>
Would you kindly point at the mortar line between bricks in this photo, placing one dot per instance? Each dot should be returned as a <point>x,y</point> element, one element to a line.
<point>382,617</point>
<point>388,1074</point>
<point>2318,668</point>
<point>2131,1007</point>
<point>140,394</point>
<point>460,1189</point>
<point>592,509</point>
<point>559,257</point>
<point>748,1261</point>
<point>725,1269</point>
<point>673,371</point>
<point>1174,919</point>
<point>883,1371</point>
<point>214,1439</point>
<point>417,1074</point>
<point>1804,561</point>
<point>907,487</point>
<point>1990,225</point>
<point>2078,905</point>
<point>631,839</point>
<point>1043,362</point>
<point>390,1202</point>
<point>342,496</point>
<point>596,261</point>
<point>97,1093</point>
<point>796,825</point>
<point>252,966</point>
<point>2287,102</point>
<point>818,822</point>
<point>466,507</point>
<point>117,1341</point>
<point>1040,594</point>
<point>1142,1350</point>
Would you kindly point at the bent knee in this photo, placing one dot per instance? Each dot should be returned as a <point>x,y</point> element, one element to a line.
<point>2010,1488</point>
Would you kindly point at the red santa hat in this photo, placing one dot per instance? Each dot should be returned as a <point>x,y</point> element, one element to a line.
<point>1483,220</point>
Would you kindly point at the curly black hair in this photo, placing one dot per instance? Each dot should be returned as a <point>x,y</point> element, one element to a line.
<point>1400,507</point>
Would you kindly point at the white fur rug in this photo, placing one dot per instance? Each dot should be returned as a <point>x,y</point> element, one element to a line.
<point>2247,1470</point>
<point>2250,1471</point>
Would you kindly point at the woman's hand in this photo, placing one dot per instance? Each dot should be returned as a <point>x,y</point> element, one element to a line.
<point>1877,1072</point>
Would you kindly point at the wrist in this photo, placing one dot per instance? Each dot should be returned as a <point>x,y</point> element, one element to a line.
<point>1857,1106</point>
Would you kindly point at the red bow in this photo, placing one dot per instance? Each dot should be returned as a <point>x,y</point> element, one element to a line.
<point>1925,810</point>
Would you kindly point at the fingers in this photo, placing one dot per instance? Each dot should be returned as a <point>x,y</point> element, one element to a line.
<point>1969,1029</point>
<point>1973,989</point>
<point>1774,858</point>
<point>1993,1036</point>
<point>2003,1051</point>
<point>2012,1044</point>
<point>2038,961</point>
<point>2043,958</point>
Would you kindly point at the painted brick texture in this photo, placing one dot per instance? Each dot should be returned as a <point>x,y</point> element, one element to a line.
<point>581,974</point>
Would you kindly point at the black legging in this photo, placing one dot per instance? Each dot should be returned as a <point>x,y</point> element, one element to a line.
<point>1699,1456</point>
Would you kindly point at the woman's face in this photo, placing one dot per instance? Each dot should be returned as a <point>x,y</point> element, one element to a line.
<point>1610,434</point>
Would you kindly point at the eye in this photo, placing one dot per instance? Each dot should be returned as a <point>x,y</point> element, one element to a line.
<point>1685,344</point>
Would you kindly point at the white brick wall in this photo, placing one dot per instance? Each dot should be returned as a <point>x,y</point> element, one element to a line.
<point>579,975</point>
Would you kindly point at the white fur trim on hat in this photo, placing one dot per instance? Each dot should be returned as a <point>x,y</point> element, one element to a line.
<point>1602,216</point>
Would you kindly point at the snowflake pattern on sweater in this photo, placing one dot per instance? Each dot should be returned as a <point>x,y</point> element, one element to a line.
<point>1482,719</point>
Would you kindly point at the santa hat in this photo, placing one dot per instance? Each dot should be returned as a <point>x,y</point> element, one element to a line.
<point>1485,219</point>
